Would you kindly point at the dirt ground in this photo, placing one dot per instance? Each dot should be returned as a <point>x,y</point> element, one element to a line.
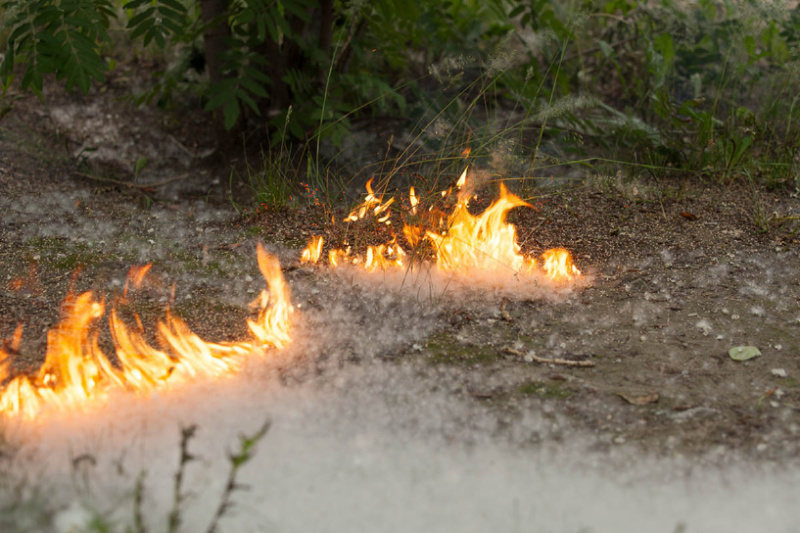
<point>677,274</point>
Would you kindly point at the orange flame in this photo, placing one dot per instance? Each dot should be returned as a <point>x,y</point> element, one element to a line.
<point>76,372</point>
<point>136,276</point>
<point>484,242</point>
<point>557,262</point>
<point>312,251</point>
<point>462,242</point>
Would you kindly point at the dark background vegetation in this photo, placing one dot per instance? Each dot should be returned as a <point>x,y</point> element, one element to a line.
<point>697,90</point>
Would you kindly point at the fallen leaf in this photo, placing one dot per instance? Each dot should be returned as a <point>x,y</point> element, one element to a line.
<point>639,400</point>
<point>743,353</point>
<point>689,216</point>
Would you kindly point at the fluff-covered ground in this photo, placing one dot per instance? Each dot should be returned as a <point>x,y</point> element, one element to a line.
<point>411,402</point>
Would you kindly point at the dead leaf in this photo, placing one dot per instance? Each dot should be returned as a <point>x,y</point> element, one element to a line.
<point>639,400</point>
<point>689,216</point>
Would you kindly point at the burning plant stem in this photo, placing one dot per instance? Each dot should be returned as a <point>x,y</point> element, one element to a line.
<point>237,460</point>
<point>547,360</point>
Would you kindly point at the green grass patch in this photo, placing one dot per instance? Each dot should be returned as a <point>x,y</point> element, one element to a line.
<point>445,348</point>
<point>544,390</point>
<point>62,254</point>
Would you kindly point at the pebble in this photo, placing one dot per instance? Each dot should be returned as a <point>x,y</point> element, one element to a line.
<point>761,447</point>
<point>780,372</point>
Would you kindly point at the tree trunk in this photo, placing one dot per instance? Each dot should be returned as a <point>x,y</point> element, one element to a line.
<point>212,13</point>
<point>326,26</point>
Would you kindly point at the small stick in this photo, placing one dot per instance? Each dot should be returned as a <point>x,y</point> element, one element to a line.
<point>504,313</point>
<point>548,360</point>
<point>137,186</point>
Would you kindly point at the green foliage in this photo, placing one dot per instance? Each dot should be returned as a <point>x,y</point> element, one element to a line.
<point>701,90</point>
<point>654,85</point>
<point>55,37</point>
<point>156,20</point>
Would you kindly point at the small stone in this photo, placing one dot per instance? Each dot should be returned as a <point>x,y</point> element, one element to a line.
<point>778,347</point>
<point>779,372</point>
<point>775,404</point>
<point>735,317</point>
<point>248,278</point>
<point>720,337</point>
<point>761,446</point>
<point>529,357</point>
<point>643,338</point>
<point>416,347</point>
<point>619,440</point>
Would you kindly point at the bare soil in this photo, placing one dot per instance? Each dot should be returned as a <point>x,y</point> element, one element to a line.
<point>680,272</point>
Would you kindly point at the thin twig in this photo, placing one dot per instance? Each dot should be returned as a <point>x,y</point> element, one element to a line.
<point>548,360</point>
<point>187,433</point>
<point>138,497</point>
<point>237,460</point>
<point>137,186</point>
<point>504,312</point>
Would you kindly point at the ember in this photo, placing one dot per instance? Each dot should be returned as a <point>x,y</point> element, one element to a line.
<point>77,372</point>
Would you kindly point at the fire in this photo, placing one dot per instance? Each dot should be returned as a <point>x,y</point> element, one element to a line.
<point>76,372</point>
<point>558,264</point>
<point>461,242</point>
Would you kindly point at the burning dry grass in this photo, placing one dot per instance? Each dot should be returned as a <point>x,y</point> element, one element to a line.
<point>454,240</point>
<point>77,372</point>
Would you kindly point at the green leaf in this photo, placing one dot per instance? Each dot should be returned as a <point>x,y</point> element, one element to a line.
<point>517,11</point>
<point>231,113</point>
<point>605,48</point>
<point>176,6</point>
<point>139,165</point>
<point>743,353</point>
<point>254,87</point>
<point>133,4</point>
<point>220,93</point>
<point>296,10</point>
<point>145,16</point>
<point>244,97</point>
